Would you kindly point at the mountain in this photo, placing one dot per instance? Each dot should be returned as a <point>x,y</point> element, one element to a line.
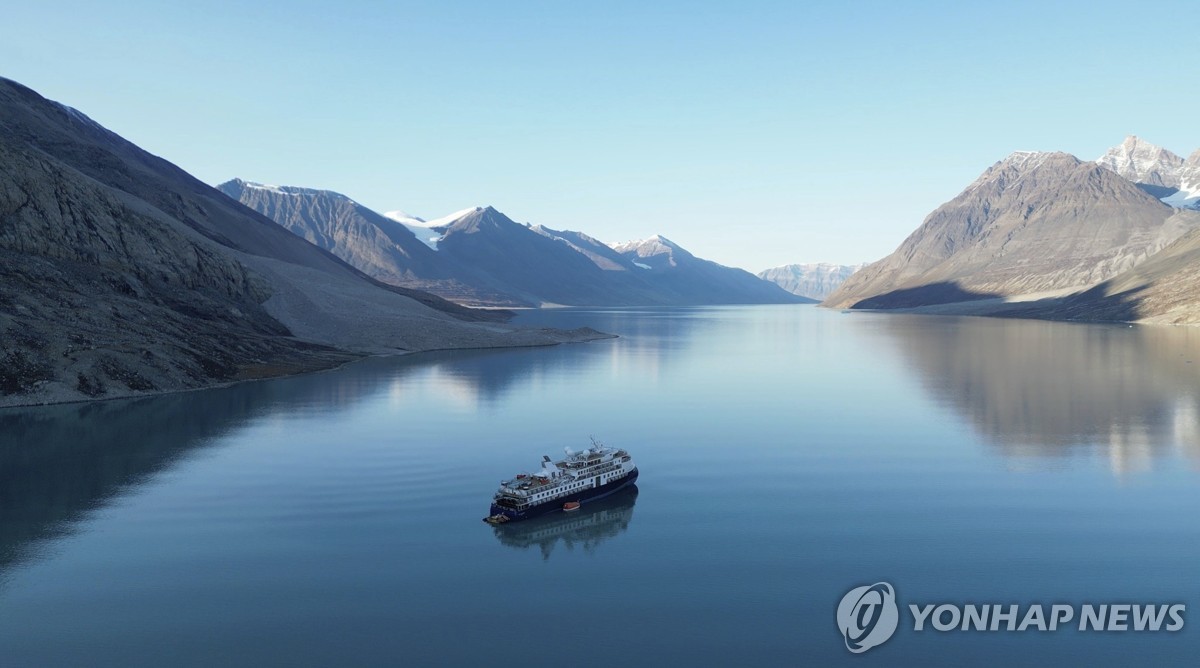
<point>698,281</point>
<point>1188,195</point>
<point>1032,222</point>
<point>480,256</point>
<point>1175,181</point>
<point>379,246</point>
<point>600,253</point>
<point>1144,163</point>
<point>628,283</point>
<point>815,281</point>
<point>530,264</point>
<point>332,221</point>
<point>571,268</point>
<point>122,274</point>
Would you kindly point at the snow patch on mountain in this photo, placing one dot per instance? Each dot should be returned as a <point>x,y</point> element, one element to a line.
<point>430,232</point>
<point>403,217</point>
<point>1026,159</point>
<point>268,187</point>
<point>446,221</point>
<point>294,191</point>
<point>1188,195</point>
<point>1022,162</point>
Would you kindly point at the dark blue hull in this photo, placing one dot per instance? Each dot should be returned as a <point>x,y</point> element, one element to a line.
<point>556,505</point>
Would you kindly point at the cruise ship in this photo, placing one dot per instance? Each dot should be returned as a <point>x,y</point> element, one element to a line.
<point>563,485</point>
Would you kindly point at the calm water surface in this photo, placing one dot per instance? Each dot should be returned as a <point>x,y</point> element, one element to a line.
<point>787,454</point>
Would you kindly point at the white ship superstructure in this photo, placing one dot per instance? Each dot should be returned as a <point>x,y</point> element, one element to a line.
<point>579,477</point>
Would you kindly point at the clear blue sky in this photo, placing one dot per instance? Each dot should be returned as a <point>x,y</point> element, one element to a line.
<point>754,134</point>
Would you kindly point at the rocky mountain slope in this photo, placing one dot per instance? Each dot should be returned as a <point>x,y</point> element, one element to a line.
<point>1163,289</point>
<point>375,244</point>
<point>814,280</point>
<point>1033,222</point>
<point>481,256</point>
<point>121,274</point>
<point>534,267</point>
<point>340,225</point>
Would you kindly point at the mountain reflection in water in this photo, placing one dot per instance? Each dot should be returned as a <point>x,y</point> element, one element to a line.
<point>1047,390</point>
<point>333,519</point>
<point>58,463</point>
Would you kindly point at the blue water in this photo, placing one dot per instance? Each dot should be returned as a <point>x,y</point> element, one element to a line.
<point>787,454</point>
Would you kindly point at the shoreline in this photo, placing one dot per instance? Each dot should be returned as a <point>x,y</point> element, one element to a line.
<point>357,357</point>
<point>1046,306</point>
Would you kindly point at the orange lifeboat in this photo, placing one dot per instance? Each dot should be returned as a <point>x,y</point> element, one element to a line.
<point>570,505</point>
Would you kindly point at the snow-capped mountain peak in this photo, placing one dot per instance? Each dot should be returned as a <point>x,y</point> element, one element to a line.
<point>285,190</point>
<point>656,252</point>
<point>654,245</point>
<point>253,185</point>
<point>1142,162</point>
<point>1016,166</point>
<point>1026,159</point>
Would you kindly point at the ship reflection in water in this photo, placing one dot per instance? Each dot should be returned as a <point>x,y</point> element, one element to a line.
<point>594,523</point>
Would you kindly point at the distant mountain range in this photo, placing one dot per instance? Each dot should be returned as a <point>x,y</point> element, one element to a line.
<point>1059,234</point>
<point>481,257</point>
<point>815,281</point>
<point>122,274</point>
